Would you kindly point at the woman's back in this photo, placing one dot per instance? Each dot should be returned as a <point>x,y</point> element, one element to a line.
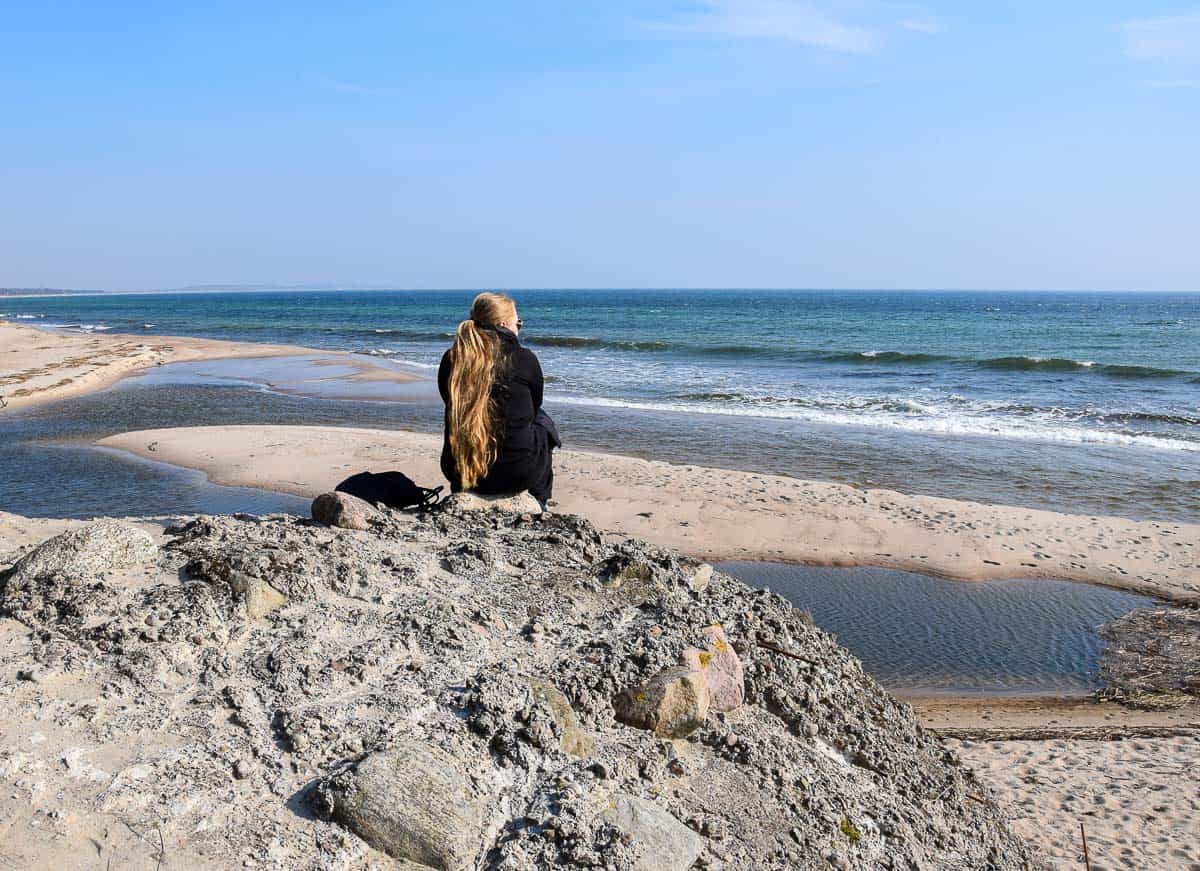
<point>516,440</point>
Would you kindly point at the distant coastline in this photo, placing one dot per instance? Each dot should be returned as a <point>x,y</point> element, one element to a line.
<point>40,291</point>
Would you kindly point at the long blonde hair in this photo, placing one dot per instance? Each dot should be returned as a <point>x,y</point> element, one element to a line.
<point>475,419</point>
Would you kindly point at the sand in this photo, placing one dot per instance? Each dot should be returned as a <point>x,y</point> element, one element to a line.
<point>720,514</point>
<point>1138,798</point>
<point>42,365</point>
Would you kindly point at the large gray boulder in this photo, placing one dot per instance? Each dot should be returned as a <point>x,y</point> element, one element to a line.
<point>343,510</point>
<point>79,555</point>
<point>413,802</point>
<point>664,843</point>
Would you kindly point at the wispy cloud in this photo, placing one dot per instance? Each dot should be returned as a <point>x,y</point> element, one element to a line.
<point>807,23</point>
<point>924,24</point>
<point>1172,37</point>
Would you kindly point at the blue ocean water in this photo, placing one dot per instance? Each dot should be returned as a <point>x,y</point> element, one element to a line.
<point>1080,401</point>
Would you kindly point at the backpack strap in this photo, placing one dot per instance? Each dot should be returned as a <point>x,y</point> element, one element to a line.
<point>430,496</point>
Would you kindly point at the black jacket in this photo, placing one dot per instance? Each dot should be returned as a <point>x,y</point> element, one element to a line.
<point>525,446</point>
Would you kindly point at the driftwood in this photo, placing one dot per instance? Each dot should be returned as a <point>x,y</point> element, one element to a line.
<point>1080,733</point>
<point>775,648</point>
<point>1152,659</point>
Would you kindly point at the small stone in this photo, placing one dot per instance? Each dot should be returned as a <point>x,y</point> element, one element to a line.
<point>243,768</point>
<point>672,704</point>
<point>260,597</point>
<point>621,570</point>
<point>701,577</point>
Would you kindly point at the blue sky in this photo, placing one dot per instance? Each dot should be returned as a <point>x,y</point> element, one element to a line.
<point>580,143</point>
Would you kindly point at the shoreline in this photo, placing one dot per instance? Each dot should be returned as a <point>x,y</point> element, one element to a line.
<point>41,365</point>
<point>719,514</point>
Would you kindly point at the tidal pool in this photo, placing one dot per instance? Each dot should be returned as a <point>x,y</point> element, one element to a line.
<point>919,634</point>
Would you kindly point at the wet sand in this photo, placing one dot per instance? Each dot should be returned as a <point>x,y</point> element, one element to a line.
<point>42,365</point>
<point>721,514</point>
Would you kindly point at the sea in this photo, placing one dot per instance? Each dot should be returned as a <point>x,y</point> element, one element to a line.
<point>1080,402</point>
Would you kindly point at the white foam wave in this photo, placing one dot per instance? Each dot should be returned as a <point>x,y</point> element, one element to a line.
<point>932,422</point>
<point>394,354</point>
<point>78,328</point>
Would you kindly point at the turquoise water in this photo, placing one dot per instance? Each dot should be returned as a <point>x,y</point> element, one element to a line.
<point>1083,402</point>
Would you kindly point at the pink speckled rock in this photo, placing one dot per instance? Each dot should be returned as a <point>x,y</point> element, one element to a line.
<point>721,667</point>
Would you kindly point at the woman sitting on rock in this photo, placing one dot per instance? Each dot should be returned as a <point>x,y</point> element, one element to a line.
<point>497,438</point>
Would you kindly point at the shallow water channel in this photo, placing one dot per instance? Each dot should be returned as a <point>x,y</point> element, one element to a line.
<point>919,634</point>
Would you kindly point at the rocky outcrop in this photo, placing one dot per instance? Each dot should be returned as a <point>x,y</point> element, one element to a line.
<point>457,689</point>
<point>61,579</point>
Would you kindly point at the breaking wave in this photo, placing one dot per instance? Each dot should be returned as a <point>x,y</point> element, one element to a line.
<point>959,418</point>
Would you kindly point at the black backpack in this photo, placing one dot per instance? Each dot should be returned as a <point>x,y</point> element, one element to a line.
<point>393,489</point>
